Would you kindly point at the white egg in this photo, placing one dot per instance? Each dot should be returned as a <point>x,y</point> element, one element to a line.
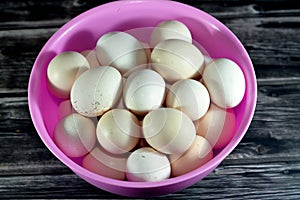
<point>168,130</point>
<point>91,57</point>
<point>225,82</point>
<point>75,135</point>
<point>146,164</point>
<point>65,108</point>
<point>106,164</point>
<point>121,50</point>
<point>96,91</point>
<point>170,29</point>
<point>197,155</point>
<point>144,90</point>
<point>118,131</point>
<point>217,126</point>
<point>62,71</point>
<point>177,59</point>
<point>189,96</point>
<point>120,104</point>
<point>207,59</point>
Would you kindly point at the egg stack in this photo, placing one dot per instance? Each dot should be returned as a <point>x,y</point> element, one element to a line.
<point>144,112</point>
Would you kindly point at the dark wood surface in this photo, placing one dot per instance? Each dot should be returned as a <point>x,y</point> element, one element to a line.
<point>265,165</point>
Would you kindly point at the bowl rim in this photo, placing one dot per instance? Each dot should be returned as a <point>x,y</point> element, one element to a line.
<point>124,183</point>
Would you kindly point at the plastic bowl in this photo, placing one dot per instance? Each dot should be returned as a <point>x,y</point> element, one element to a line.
<point>82,33</point>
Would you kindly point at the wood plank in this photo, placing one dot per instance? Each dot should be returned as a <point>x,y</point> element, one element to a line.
<point>32,10</point>
<point>23,42</point>
<point>282,59</point>
<point>280,98</point>
<point>40,10</point>
<point>261,184</point>
<point>261,158</point>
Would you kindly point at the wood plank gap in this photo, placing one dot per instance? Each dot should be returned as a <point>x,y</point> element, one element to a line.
<point>279,80</point>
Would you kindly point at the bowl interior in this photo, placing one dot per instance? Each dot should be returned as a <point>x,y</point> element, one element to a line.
<point>82,32</point>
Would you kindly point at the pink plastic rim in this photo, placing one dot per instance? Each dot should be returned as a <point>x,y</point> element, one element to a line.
<point>37,117</point>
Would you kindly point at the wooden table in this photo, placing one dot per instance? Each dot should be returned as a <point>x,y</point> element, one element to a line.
<point>265,165</point>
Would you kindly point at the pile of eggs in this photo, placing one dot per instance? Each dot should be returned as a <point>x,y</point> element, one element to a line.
<point>144,112</point>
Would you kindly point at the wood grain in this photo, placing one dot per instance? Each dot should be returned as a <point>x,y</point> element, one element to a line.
<point>265,165</point>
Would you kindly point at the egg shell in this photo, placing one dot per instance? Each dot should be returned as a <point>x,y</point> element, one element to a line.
<point>197,155</point>
<point>91,57</point>
<point>62,71</point>
<point>142,66</point>
<point>65,108</point>
<point>121,50</point>
<point>96,91</point>
<point>75,135</point>
<point>106,164</point>
<point>225,82</point>
<point>146,164</point>
<point>118,131</point>
<point>144,90</point>
<point>207,59</point>
<point>168,130</point>
<point>189,96</point>
<point>170,29</point>
<point>217,126</point>
<point>177,59</point>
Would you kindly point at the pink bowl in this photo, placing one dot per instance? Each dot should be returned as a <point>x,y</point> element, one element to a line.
<point>82,33</point>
